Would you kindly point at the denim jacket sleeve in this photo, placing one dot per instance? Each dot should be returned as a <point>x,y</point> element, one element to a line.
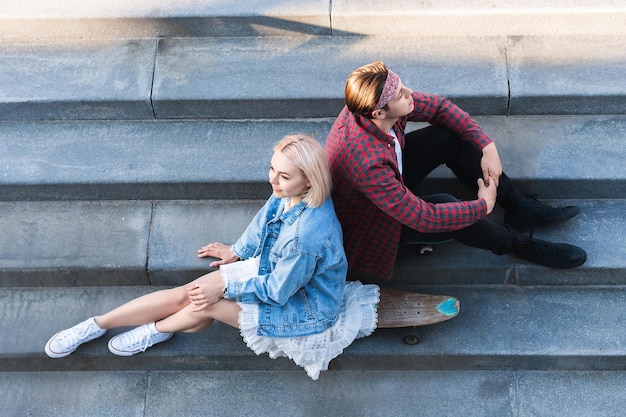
<point>249,244</point>
<point>290,273</point>
<point>291,265</point>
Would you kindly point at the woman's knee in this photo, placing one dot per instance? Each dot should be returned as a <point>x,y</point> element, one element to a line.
<point>178,295</point>
<point>197,320</point>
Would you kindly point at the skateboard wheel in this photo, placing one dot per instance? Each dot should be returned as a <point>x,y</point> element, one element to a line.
<point>426,250</point>
<point>411,339</point>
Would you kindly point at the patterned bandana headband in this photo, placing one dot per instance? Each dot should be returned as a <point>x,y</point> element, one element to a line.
<point>391,85</point>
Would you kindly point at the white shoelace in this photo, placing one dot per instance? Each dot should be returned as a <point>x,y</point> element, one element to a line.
<point>137,337</point>
<point>76,335</point>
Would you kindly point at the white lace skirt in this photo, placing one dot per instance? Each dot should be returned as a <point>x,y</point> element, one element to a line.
<point>357,318</point>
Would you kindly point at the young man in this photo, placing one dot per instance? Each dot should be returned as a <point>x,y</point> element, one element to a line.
<point>377,168</point>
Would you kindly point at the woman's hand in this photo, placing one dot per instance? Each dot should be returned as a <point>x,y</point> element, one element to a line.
<point>218,250</point>
<point>491,165</point>
<point>206,290</point>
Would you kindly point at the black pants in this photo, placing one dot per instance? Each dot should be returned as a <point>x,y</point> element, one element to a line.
<point>425,150</point>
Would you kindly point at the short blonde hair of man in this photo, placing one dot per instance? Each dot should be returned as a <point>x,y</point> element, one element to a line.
<point>308,155</point>
<point>364,88</point>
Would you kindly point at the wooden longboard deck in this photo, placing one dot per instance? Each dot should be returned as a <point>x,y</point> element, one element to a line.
<point>408,309</point>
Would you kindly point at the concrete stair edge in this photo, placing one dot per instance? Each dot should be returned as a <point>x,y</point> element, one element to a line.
<point>552,156</point>
<point>145,243</point>
<point>284,393</point>
<point>498,328</point>
<point>177,79</point>
<point>262,18</point>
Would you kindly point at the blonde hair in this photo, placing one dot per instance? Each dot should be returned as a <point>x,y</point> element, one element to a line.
<point>309,157</point>
<point>364,88</point>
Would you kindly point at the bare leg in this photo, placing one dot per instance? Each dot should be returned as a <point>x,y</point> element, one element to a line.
<point>187,320</point>
<point>146,309</point>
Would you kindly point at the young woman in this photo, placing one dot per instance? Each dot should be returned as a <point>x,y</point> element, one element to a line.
<point>282,283</point>
<point>377,169</point>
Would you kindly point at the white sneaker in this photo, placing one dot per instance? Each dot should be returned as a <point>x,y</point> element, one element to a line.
<point>66,341</point>
<point>137,340</point>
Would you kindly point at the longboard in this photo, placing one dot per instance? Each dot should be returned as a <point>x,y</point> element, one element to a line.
<point>408,309</point>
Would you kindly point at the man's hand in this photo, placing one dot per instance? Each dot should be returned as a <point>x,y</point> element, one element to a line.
<point>488,192</point>
<point>491,165</point>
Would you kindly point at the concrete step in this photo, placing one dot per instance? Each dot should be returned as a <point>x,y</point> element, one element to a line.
<point>161,18</point>
<point>136,243</point>
<point>564,157</point>
<point>349,393</point>
<point>100,202</point>
<point>501,327</point>
<point>282,76</point>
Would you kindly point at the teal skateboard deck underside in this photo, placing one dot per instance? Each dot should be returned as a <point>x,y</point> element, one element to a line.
<point>409,309</point>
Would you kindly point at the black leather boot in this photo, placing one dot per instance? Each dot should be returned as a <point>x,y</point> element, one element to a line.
<point>552,255</point>
<point>524,212</point>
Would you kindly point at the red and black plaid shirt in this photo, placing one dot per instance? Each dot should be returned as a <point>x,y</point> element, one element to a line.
<point>370,198</point>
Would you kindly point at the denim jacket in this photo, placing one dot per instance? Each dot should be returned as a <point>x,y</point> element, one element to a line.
<point>302,268</point>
